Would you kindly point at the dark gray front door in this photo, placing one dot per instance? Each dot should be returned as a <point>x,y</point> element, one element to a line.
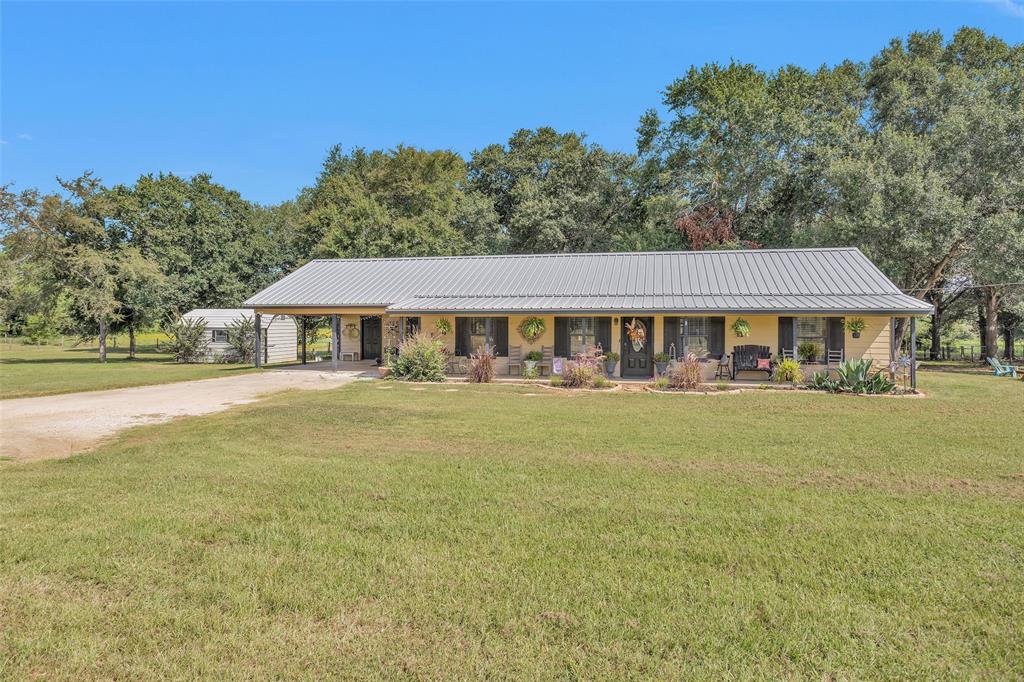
<point>370,335</point>
<point>637,357</point>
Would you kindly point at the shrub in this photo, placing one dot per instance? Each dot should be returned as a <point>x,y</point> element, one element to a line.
<point>556,380</point>
<point>661,383</point>
<point>685,374</point>
<point>611,356</point>
<point>808,350</point>
<point>420,358</point>
<point>581,371</point>
<point>531,328</point>
<point>722,386</point>
<point>601,382</point>
<point>577,375</point>
<point>821,381</point>
<point>662,356</point>
<point>242,339</point>
<point>788,372</point>
<point>854,376</point>
<point>189,340</point>
<point>481,368</point>
<point>533,356</point>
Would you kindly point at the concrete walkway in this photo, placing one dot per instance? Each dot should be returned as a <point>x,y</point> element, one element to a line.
<point>61,425</point>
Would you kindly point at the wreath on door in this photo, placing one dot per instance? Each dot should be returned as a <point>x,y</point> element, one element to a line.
<point>636,332</point>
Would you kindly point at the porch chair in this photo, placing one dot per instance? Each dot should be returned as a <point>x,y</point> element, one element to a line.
<point>723,371</point>
<point>833,357</point>
<point>547,359</point>
<point>745,359</point>
<point>515,358</point>
<point>788,353</point>
<point>1002,370</point>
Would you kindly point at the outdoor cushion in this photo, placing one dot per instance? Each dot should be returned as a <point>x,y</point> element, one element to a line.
<point>764,363</point>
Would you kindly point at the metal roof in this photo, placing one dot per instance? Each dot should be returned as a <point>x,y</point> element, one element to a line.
<point>768,280</point>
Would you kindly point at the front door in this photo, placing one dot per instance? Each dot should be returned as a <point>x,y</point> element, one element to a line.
<point>369,332</point>
<point>637,337</point>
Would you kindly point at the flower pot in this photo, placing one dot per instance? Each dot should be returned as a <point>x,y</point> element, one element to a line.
<point>662,367</point>
<point>856,335</point>
<point>609,367</point>
<point>384,371</point>
<point>530,365</point>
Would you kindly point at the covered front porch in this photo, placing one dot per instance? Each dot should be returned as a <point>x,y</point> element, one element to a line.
<point>723,343</point>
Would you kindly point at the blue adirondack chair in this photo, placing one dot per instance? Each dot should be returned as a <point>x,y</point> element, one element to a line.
<point>1002,370</point>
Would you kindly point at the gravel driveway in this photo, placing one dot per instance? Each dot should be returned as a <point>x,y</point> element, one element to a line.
<point>61,425</point>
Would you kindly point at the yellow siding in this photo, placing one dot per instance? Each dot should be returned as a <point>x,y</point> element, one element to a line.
<point>873,343</point>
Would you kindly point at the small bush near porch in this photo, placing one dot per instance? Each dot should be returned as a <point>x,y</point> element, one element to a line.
<point>404,530</point>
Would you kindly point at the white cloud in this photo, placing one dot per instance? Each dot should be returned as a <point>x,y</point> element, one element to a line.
<point>3,141</point>
<point>24,136</point>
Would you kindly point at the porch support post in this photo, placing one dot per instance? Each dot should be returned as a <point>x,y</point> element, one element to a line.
<point>259,341</point>
<point>303,318</point>
<point>913,352</point>
<point>334,342</point>
<point>795,344</point>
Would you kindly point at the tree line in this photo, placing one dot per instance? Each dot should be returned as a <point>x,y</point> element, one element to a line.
<point>916,157</point>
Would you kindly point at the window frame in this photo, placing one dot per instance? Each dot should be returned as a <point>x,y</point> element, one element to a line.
<point>588,330</point>
<point>822,340</point>
<point>219,335</point>
<point>686,333</point>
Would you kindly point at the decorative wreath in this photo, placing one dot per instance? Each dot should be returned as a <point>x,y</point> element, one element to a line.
<point>636,331</point>
<point>531,328</point>
<point>350,331</point>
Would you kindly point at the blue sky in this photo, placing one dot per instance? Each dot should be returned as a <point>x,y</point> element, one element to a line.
<point>255,93</point>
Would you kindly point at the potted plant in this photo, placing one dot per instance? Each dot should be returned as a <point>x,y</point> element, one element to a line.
<point>443,326</point>
<point>532,328</point>
<point>385,364</point>
<point>530,361</point>
<point>661,361</point>
<point>611,358</point>
<point>855,326</point>
<point>741,328</point>
<point>808,351</point>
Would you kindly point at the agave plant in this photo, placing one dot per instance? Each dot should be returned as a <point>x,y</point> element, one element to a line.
<point>855,376</point>
<point>821,381</point>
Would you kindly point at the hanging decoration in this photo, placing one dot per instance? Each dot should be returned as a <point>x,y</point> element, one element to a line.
<point>531,328</point>
<point>741,327</point>
<point>636,331</point>
<point>351,331</point>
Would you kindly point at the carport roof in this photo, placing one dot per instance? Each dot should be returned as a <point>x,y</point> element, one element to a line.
<point>833,280</point>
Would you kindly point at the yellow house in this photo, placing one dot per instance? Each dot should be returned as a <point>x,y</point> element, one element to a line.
<point>727,308</point>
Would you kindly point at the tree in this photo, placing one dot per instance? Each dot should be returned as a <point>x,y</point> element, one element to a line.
<point>214,248</point>
<point>749,148</point>
<point>553,192</point>
<point>405,202</point>
<point>84,251</point>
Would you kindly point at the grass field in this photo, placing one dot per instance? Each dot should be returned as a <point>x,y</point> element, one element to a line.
<point>389,530</point>
<point>27,370</point>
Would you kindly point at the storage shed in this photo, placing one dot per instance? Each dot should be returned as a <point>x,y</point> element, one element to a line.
<point>279,337</point>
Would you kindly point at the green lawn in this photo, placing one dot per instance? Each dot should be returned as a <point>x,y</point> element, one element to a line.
<point>27,370</point>
<point>378,530</point>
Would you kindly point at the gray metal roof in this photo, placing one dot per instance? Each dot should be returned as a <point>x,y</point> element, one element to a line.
<point>780,280</point>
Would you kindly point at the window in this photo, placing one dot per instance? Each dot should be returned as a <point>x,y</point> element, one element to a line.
<point>411,326</point>
<point>694,333</point>
<point>813,329</point>
<point>220,335</point>
<point>479,338</point>
<point>582,334</point>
